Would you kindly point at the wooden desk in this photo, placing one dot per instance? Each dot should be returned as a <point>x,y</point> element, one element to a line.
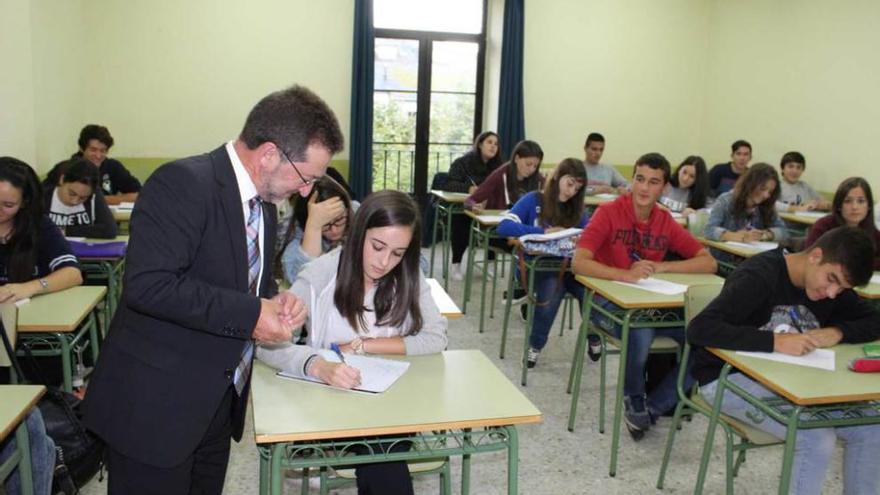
<point>448,204</point>
<point>481,232</point>
<point>641,309</point>
<point>54,324</point>
<point>807,218</point>
<point>16,402</point>
<point>594,200</point>
<point>444,302</point>
<point>447,396</point>
<point>109,269</point>
<point>810,394</point>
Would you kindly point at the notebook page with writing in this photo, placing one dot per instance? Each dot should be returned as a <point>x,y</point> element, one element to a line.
<point>657,285</point>
<point>819,358</point>
<point>377,374</point>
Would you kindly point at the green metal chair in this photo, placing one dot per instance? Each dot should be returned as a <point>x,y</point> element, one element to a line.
<point>336,478</point>
<point>697,298</point>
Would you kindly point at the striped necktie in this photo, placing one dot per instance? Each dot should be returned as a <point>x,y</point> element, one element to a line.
<point>252,228</point>
<point>253,243</point>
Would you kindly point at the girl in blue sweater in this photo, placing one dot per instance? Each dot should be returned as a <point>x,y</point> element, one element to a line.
<point>560,205</point>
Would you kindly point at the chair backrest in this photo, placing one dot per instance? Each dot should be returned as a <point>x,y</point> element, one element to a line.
<point>697,298</point>
<point>9,320</point>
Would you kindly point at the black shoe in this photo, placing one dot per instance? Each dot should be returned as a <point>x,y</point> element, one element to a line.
<point>532,357</point>
<point>594,348</point>
<point>519,296</point>
<point>524,313</point>
<point>636,416</point>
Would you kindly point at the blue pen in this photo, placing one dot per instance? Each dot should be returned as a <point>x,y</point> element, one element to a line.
<point>335,348</point>
<point>795,319</point>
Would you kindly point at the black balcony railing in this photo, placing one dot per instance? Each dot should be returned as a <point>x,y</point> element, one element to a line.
<point>394,163</point>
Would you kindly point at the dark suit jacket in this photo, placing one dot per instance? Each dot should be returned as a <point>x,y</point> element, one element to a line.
<point>185,314</point>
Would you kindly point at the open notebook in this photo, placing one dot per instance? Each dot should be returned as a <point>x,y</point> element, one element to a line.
<point>377,374</point>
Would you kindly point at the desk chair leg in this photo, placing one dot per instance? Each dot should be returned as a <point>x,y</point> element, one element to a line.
<point>603,380</point>
<point>434,239</point>
<point>788,456</point>
<point>728,461</point>
<point>484,241</point>
<point>533,301</point>
<point>470,267</point>
<point>512,461</point>
<point>618,400</point>
<point>466,465</point>
<point>66,365</point>
<point>495,263</point>
<point>447,248</point>
<point>670,439</point>
<point>25,469</point>
<point>577,362</point>
<point>507,307</point>
<point>276,478</point>
<point>264,471</point>
<point>446,479</point>
<point>710,433</point>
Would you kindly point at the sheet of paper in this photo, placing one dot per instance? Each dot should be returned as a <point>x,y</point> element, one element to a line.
<point>377,374</point>
<point>126,206</point>
<point>605,196</point>
<point>490,219</point>
<point>758,245</point>
<point>819,358</point>
<point>561,234</point>
<point>811,214</point>
<point>676,214</point>
<point>657,285</point>
<point>444,303</point>
<point>876,278</point>
<point>76,239</point>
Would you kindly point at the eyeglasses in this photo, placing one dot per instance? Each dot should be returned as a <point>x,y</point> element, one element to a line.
<point>340,222</point>
<point>305,182</point>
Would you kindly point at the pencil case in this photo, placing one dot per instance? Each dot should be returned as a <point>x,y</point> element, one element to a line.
<point>872,349</point>
<point>865,365</point>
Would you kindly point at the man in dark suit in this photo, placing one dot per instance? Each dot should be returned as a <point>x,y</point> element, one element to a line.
<point>171,385</point>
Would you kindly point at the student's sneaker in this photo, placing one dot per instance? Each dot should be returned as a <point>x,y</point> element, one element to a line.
<point>519,297</point>
<point>457,275</point>
<point>524,313</point>
<point>594,348</point>
<point>532,357</point>
<point>636,416</point>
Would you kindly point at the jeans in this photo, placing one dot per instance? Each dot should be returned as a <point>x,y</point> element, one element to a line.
<point>665,396</point>
<point>549,291</point>
<point>42,456</point>
<point>813,447</point>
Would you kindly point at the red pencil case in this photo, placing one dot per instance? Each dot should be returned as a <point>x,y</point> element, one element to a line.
<point>865,365</point>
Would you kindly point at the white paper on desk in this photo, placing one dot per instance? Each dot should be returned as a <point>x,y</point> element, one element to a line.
<point>605,196</point>
<point>875,279</point>
<point>76,239</point>
<point>657,285</point>
<point>811,214</point>
<point>819,358</point>
<point>377,374</point>
<point>486,219</point>
<point>560,234</point>
<point>126,205</point>
<point>757,245</point>
<point>676,214</point>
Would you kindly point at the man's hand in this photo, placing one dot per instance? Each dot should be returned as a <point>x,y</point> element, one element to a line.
<point>637,271</point>
<point>270,327</point>
<point>826,337</point>
<point>293,309</point>
<point>336,374</point>
<point>796,344</point>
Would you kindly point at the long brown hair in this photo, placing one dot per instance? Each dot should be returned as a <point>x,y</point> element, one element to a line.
<point>843,189</point>
<point>524,149</point>
<point>397,293</point>
<point>746,186</point>
<point>568,214</point>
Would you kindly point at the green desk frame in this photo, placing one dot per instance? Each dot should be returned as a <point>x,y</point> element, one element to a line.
<point>478,241</point>
<point>448,204</point>
<point>808,395</point>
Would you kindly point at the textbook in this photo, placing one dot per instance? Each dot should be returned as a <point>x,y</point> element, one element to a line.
<point>561,234</point>
<point>377,374</point>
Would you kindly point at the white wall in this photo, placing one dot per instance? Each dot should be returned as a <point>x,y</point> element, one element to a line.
<point>17,86</point>
<point>631,70</point>
<point>792,75</point>
<point>173,78</point>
